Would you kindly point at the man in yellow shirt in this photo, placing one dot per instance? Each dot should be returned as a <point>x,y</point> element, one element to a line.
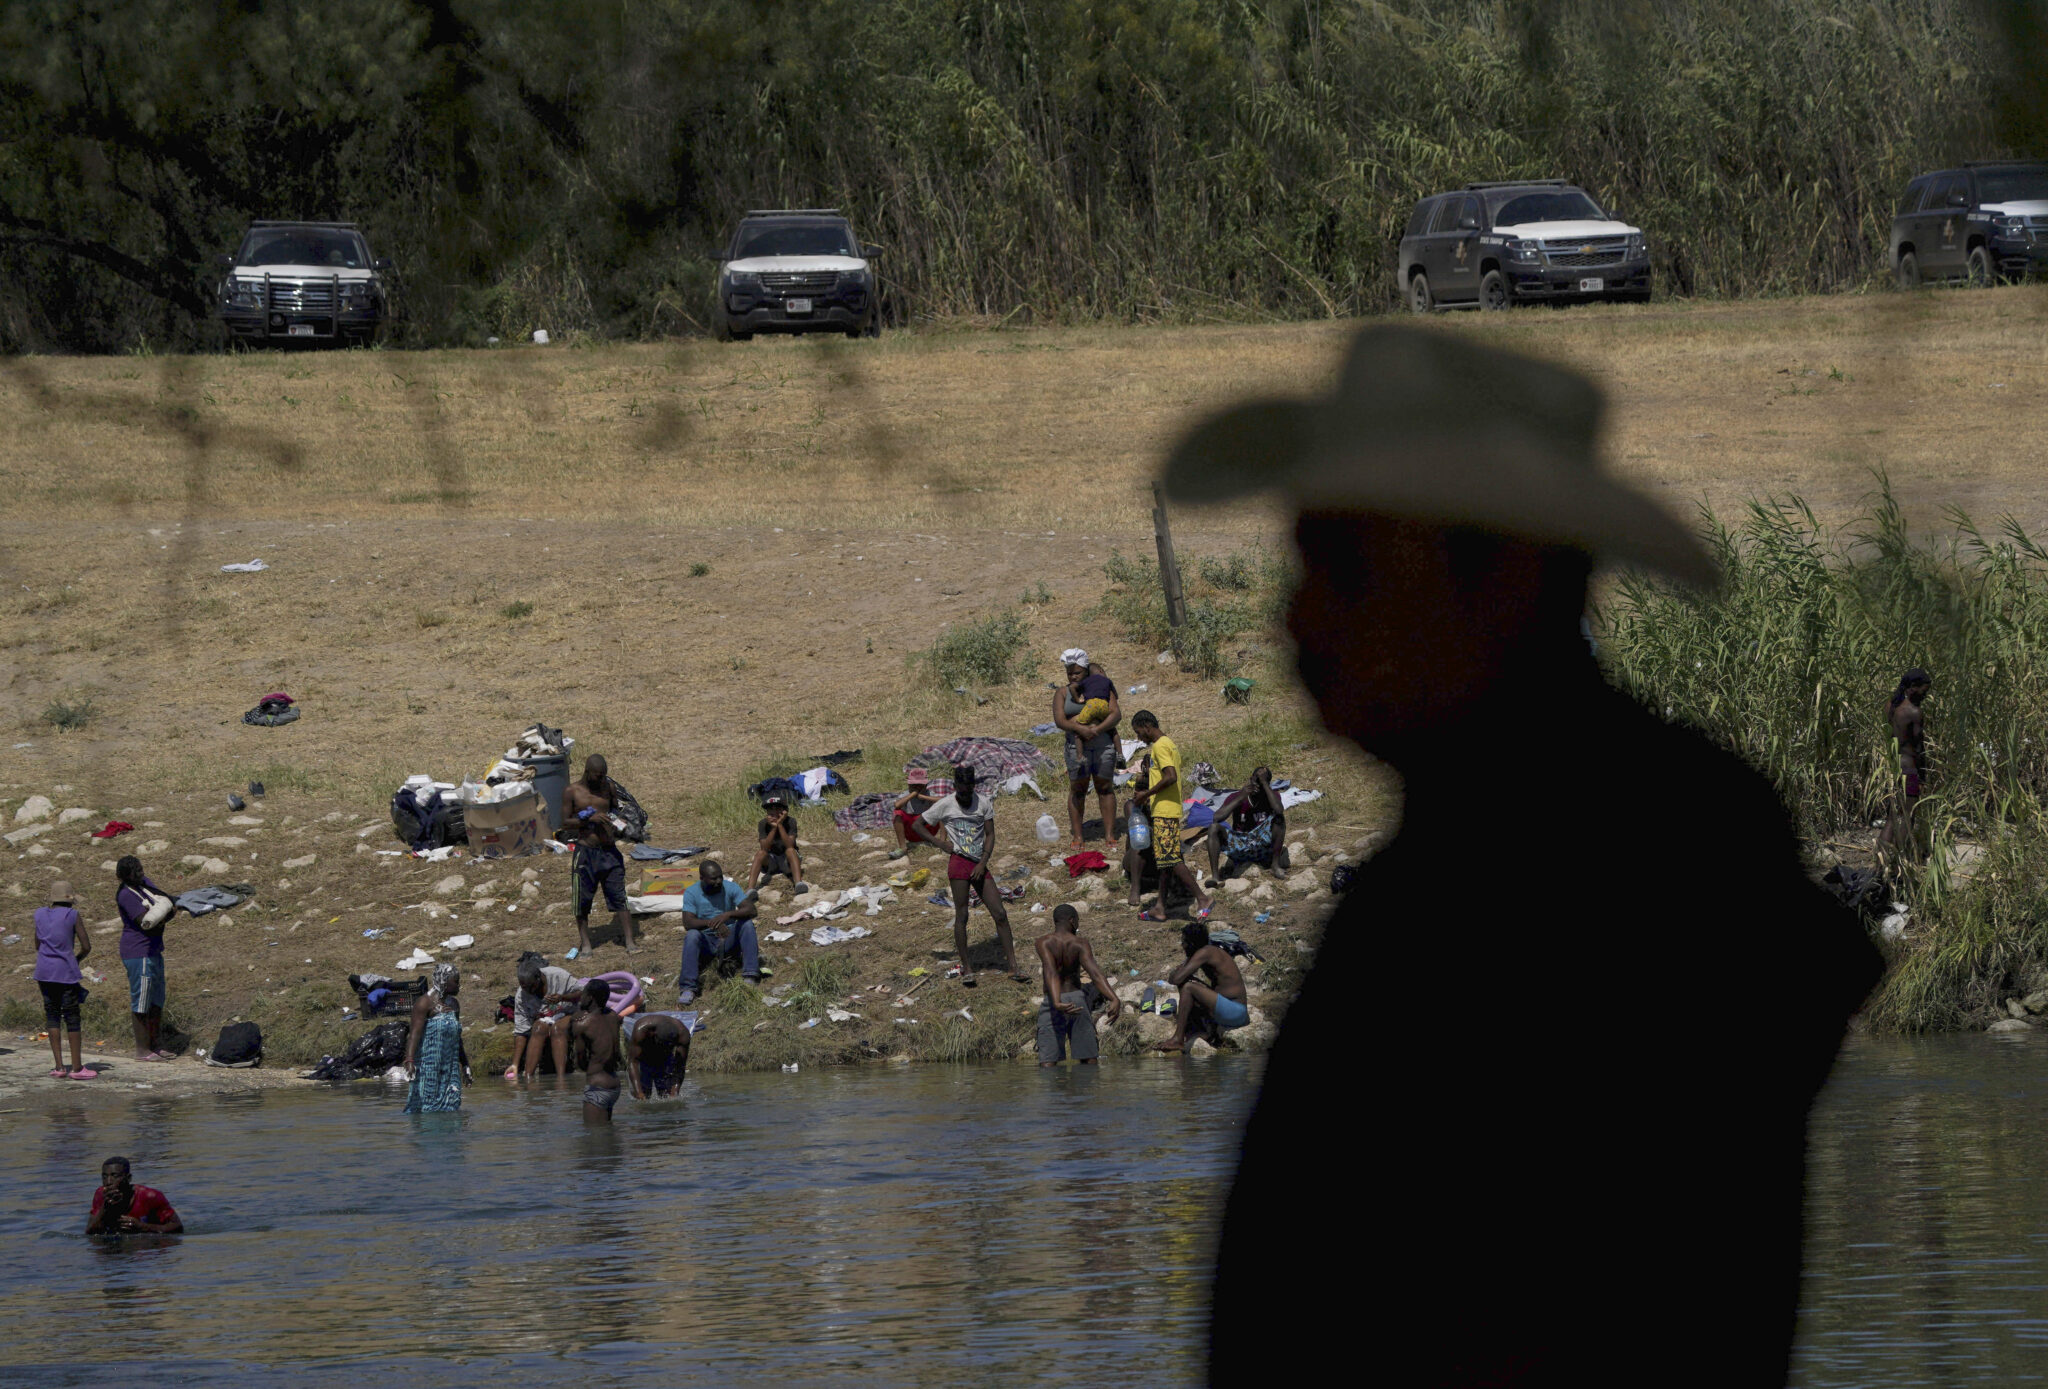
<point>1160,799</point>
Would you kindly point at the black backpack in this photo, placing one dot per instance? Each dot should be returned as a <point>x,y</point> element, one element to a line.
<point>433,823</point>
<point>240,1044</point>
<point>1231,943</point>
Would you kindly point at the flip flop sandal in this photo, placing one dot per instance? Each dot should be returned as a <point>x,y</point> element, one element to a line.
<point>1203,914</point>
<point>1147,916</point>
<point>156,1056</point>
<point>84,1073</point>
<point>60,1073</point>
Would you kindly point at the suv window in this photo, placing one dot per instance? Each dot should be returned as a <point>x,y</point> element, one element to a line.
<point>1565,205</point>
<point>1418,221</point>
<point>303,246</point>
<point>1954,185</point>
<point>2012,185</point>
<point>1446,216</point>
<point>793,239</point>
<point>1915,191</point>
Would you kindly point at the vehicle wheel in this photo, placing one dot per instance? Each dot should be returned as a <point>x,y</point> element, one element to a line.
<point>874,324</point>
<point>721,328</point>
<point>1983,271</point>
<point>1494,293</point>
<point>1420,300</point>
<point>1909,270</point>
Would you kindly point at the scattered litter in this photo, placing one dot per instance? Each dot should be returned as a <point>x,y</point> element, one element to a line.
<point>1294,796</point>
<point>458,942</point>
<point>272,710</point>
<point>939,899</point>
<point>907,1022</point>
<point>919,972</point>
<point>802,1026</point>
<point>967,1015</point>
<point>1039,730</point>
<point>777,937</point>
<point>1137,689</point>
<point>574,951</point>
<point>1037,907</point>
<point>440,855</point>
<point>378,932</point>
<point>1165,659</point>
<point>863,839</point>
<point>1238,691</point>
<point>254,566</point>
<point>840,1015</point>
<point>789,1067</point>
<point>1263,917</point>
<point>1087,861</point>
<point>540,337</point>
<point>647,853</point>
<point>10,940</point>
<point>833,935</point>
<point>952,971</point>
<point>415,960</point>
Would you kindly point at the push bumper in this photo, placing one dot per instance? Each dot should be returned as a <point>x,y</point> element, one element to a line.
<point>1628,279</point>
<point>284,325</point>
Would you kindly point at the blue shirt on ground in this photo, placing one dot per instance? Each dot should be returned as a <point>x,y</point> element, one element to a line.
<point>698,902</point>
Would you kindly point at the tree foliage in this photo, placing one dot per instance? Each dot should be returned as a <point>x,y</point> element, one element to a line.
<point>577,167</point>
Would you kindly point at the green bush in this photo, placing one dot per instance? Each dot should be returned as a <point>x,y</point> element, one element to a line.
<point>1226,597</point>
<point>516,610</point>
<point>68,715</point>
<point>993,651</point>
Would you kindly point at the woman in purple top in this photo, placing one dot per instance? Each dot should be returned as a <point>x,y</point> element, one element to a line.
<point>142,952</point>
<point>60,944</point>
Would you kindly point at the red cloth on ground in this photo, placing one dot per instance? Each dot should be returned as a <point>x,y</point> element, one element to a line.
<point>112,828</point>
<point>1085,862</point>
<point>279,695</point>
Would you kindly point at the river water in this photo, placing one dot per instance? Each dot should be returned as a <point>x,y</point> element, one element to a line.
<point>903,1225</point>
<point>892,1225</point>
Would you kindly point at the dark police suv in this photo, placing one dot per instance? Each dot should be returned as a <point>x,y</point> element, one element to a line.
<point>1981,223</point>
<point>303,282</point>
<point>798,270</point>
<point>1491,244</point>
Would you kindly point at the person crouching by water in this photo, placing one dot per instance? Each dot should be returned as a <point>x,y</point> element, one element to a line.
<point>657,1054</point>
<point>1220,998</point>
<point>142,952</point>
<point>433,1050</point>
<point>61,943</point>
<point>597,1028</point>
<point>969,819</point>
<point>598,865</point>
<point>120,1207</point>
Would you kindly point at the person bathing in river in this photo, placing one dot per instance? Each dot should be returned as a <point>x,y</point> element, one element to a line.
<point>1086,711</point>
<point>657,1054</point>
<point>120,1207</point>
<point>433,1049</point>
<point>1064,1021</point>
<point>1221,997</point>
<point>597,1029</point>
<point>542,1007</point>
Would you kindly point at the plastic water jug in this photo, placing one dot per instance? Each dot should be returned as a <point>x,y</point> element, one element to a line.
<point>1048,830</point>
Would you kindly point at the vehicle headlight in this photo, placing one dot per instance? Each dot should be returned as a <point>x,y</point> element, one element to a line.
<point>1635,244</point>
<point>2011,226</point>
<point>1524,250</point>
<point>743,279</point>
<point>246,295</point>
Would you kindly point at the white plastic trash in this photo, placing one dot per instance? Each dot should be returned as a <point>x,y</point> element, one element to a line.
<point>540,336</point>
<point>1048,830</point>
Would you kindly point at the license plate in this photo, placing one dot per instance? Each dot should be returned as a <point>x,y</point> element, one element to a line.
<point>798,305</point>
<point>301,330</point>
<point>1592,286</point>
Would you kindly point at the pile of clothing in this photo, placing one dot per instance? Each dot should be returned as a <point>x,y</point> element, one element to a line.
<point>427,814</point>
<point>201,900</point>
<point>368,1056</point>
<point>273,709</point>
<point>1007,765</point>
<point>808,787</point>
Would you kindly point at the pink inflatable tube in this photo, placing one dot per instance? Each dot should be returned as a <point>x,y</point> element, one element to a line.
<point>625,986</point>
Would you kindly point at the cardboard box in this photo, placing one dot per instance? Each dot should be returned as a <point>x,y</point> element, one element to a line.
<point>669,879</point>
<point>505,829</point>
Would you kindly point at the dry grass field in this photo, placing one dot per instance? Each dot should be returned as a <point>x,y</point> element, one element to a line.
<point>462,543</point>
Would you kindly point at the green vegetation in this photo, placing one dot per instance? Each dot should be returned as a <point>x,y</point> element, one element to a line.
<point>1226,597</point>
<point>68,714</point>
<point>993,651</point>
<point>429,619</point>
<point>520,609</point>
<point>576,167</point>
<point>1791,666</point>
<point>699,569</point>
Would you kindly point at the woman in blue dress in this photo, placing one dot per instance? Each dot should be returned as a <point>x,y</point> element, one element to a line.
<point>433,1053</point>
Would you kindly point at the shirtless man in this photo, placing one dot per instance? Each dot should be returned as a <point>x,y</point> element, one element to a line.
<point>1221,998</point>
<point>657,1054</point>
<point>597,1028</point>
<point>1909,728</point>
<point>594,790</point>
<point>1064,1022</point>
<point>600,867</point>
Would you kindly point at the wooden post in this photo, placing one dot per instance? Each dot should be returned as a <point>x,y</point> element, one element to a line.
<point>1169,567</point>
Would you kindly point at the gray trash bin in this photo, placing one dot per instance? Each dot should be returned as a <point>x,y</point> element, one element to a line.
<point>551,779</point>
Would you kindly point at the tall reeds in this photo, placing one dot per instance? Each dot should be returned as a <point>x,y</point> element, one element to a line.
<point>1791,664</point>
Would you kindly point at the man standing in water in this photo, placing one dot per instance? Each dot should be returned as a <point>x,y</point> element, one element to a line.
<point>1909,731</point>
<point>657,1054</point>
<point>597,1029</point>
<point>1064,1021</point>
<point>1450,505</point>
<point>120,1207</point>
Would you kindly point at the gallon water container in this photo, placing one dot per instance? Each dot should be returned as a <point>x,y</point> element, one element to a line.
<point>1048,830</point>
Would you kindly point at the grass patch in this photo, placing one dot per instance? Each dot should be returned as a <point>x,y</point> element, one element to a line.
<point>992,651</point>
<point>699,569</point>
<point>1226,597</point>
<point>1790,666</point>
<point>520,609</point>
<point>68,715</point>
<point>427,618</point>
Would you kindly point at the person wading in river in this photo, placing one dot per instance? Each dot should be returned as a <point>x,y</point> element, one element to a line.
<point>1449,505</point>
<point>597,1028</point>
<point>120,1207</point>
<point>1064,1021</point>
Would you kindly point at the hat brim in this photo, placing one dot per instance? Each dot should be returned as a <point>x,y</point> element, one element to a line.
<point>1503,480</point>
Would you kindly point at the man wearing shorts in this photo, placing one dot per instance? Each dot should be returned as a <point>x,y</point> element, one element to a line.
<point>1064,1022</point>
<point>598,865</point>
<point>1252,827</point>
<point>969,820</point>
<point>657,1054</point>
<point>597,1029</point>
<point>1091,743</point>
<point>1160,799</point>
<point>1221,997</point>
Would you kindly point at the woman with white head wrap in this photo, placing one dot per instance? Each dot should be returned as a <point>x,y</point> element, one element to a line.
<point>1085,709</point>
<point>433,1053</point>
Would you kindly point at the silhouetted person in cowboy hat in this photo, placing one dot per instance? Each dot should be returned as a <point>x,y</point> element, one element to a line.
<point>1576,1188</point>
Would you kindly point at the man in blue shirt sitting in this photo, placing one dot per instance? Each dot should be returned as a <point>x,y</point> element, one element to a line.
<point>721,922</point>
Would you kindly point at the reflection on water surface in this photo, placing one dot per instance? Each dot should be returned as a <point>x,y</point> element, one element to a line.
<point>916,1225</point>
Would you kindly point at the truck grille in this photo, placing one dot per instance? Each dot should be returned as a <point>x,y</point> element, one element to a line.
<point>1586,252</point>
<point>799,281</point>
<point>302,296</point>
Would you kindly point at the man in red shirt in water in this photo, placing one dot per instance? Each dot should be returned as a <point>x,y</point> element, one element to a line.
<point>120,1207</point>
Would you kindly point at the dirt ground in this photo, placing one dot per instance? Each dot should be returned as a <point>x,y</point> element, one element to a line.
<point>462,543</point>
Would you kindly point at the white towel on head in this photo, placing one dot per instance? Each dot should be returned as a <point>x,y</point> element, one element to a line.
<point>1073,656</point>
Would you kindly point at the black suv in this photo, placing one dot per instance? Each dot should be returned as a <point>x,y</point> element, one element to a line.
<point>1491,244</point>
<point>799,270</point>
<point>1981,223</point>
<point>309,282</point>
